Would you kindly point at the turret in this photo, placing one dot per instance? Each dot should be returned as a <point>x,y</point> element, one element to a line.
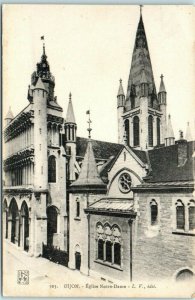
<point>9,117</point>
<point>162,98</point>
<point>70,138</point>
<point>169,137</point>
<point>40,135</point>
<point>120,111</point>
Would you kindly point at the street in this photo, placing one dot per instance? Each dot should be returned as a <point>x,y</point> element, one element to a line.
<point>45,277</point>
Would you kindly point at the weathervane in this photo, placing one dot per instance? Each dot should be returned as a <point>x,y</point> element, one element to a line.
<point>43,39</point>
<point>89,129</point>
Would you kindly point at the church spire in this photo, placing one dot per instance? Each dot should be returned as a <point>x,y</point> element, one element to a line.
<point>140,60</point>
<point>89,179</point>
<point>9,116</point>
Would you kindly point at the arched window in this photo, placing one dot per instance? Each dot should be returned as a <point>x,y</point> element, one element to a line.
<point>52,169</point>
<point>185,275</point>
<point>136,131</point>
<point>150,131</point>
<point>127,130</point>
<point>154,212</point>
<point>108,243</point>
<point>180,215</point>
<point>191,213</point>
<point>14,214</point>
<point>158,130</point>
<point>52,223</point>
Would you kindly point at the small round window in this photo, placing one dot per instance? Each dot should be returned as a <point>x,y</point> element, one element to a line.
<point>125,183</point>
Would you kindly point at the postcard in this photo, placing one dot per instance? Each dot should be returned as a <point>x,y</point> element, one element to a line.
<point>98,151</point>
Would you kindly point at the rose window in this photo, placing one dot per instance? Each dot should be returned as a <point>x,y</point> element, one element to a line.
<point>125,183</point>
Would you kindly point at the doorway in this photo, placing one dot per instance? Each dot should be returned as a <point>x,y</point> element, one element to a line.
<point>78,260</point>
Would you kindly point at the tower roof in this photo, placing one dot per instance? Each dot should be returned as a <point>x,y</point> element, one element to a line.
<point>169,133</point>
<point>140,60</point>
<point>9,114</point>
<point>39,85</point>
<point>89,178</point>
<point>162,85</point>
<point>120,90</point>
<point>188,133</point>
<point>70,118</point>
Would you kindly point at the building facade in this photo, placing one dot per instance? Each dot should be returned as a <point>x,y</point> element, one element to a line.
<point>120,211</point>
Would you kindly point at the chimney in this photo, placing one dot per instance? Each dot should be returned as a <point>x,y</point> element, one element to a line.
<point>182,150</point>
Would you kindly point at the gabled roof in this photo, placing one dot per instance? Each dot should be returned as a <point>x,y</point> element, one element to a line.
<point>164,164</point>
<point>102,150</point>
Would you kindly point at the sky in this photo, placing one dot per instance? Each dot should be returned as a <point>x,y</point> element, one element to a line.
<point>89,49</point>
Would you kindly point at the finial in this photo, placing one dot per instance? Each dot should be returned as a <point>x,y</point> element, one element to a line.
<point>70,96</point>
<point>161,76</point>
<point>120,80</point>
<point>89,129</point>
<point>169,116</point>
<point>43,39</point>
<point>141,10</point>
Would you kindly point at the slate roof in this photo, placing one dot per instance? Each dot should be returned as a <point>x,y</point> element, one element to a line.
<point>102,150</point>
<point>164,164</point>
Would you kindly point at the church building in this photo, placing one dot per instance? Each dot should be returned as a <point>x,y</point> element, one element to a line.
<point>115,211</point>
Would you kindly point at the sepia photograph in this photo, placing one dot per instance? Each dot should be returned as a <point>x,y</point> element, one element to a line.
<point>98,138</point>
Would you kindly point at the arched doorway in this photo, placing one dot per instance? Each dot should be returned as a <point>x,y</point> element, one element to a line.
<point>14,218</point>
<point>52,222</point>
<point>185,275</point>
<point>77,257</point>
<point>25,226</point>
<point>5,220</point>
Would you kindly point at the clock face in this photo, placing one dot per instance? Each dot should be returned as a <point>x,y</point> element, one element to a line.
<point>125,182</point>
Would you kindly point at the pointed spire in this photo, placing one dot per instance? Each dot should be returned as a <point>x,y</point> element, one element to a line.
<point>169,133</point>
<point>9,114</point>
<point>162,85</point>
<point>120,90</point>
<point>140,60</point>
<point>188,133</point>
<point>70,118</point>
<point>40,85</point>
<point>89,178</point>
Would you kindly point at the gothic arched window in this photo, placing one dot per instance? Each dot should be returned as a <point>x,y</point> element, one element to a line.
<point>158,130</point>
<point>150,131</point>
<point>127,130</point>
<point>154,212</point>
<point>136,131</point>
<point>180,215</point>
<point>52,169</point>
<point>191,213</point>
